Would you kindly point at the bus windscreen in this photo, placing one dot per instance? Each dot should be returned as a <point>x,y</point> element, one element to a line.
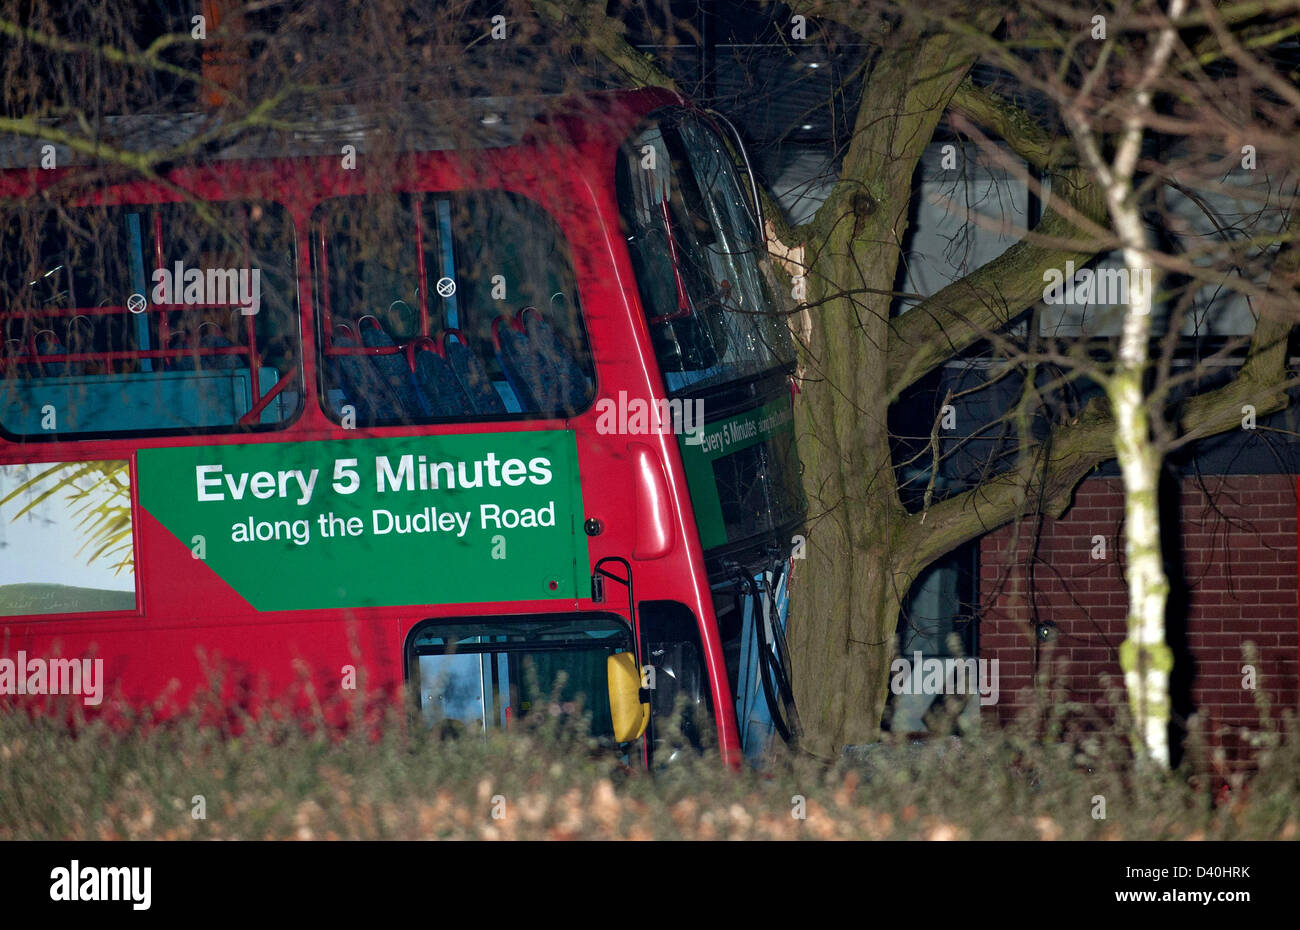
<point>699,259</point>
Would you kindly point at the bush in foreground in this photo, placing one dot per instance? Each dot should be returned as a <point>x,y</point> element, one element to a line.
<point>268,779</point>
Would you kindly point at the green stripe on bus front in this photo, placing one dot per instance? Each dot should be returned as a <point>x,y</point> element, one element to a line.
<point>370,522</point>
<point>703,486</point>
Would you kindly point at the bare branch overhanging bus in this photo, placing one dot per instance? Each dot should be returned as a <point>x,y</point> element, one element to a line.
<point>394,453</point>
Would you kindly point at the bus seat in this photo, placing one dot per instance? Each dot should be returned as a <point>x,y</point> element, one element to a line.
<point>436,379</point>
<point>180,362</point>
<point>541,370</point>
<point>471,374</point>
<point>572,388</point>
<point>13,349</point>
<point>47,343</point>
<point>343,335</point>
<point>79,337</point>
<point>211,337</point>
<point>360,382</point>
<point>524,370</point>
<point>392,370</point>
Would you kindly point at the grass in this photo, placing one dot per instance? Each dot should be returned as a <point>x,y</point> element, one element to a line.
<point>267,778</point>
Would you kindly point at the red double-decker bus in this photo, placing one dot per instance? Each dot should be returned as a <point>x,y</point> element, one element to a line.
<point>505,421</point>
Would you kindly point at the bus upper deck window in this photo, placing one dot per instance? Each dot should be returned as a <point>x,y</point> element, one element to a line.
<point>447,306</point>
<point>698,257</point>
<point>149,318</point>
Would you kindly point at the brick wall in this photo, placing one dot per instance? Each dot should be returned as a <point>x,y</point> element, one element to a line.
<point>1239,558</point>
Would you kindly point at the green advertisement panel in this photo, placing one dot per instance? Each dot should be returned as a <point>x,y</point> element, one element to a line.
<point>370,522</point>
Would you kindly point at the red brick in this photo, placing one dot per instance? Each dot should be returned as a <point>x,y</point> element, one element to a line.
<point>1239,565</point>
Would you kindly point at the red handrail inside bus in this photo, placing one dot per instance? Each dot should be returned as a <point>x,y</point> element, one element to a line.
<point>683,302</point>
<point>256,411</point>
<point>166,353</point>
<point>421,343</point>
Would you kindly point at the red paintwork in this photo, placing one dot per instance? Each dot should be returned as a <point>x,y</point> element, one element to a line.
<point>654,515</point>
<point>568,167</point>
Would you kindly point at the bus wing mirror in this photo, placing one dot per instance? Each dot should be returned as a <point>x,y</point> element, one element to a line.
<point>630,714</point>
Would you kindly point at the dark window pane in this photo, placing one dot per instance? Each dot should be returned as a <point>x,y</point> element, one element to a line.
<point>214,333</point>
<point>698,258</point>
<point>447,307</point>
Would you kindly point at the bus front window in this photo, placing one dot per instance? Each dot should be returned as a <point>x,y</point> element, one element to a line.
<point>476,676</point>
<point>699,259</point>
<point>719,334</point>
<point>718,329</point>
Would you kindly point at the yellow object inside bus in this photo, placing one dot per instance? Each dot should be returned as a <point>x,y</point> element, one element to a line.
<point>631,716</point>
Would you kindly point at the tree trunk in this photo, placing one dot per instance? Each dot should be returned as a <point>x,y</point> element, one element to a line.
<point>847,599</point>
<point>846,608</point>
<point>1144,656</point>
<point>850,643</point>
